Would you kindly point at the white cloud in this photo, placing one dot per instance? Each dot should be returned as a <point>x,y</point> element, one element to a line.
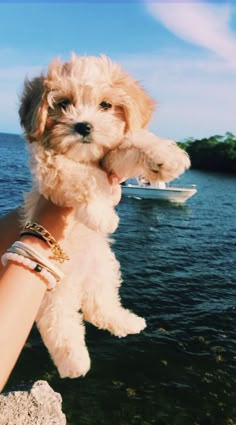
<point>203,24</point>
<point>195,96</point>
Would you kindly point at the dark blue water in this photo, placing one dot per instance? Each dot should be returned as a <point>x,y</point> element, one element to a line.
<point>179,269</point>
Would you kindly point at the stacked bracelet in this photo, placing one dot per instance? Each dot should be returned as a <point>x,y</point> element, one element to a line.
<point>40,232</point>
<point>32,265</point>
<point>27,251</point>
<point>24,254</point>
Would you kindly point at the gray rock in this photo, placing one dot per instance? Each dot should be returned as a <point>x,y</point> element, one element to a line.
<point>39,405</point>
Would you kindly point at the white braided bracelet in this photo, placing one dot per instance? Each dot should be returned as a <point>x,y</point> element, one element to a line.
<point>32,265</point>
<point>25,250</point>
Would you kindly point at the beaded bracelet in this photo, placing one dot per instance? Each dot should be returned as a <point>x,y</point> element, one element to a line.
<point>27,251</point>
<point>25,255</point>
<point>30,264</point>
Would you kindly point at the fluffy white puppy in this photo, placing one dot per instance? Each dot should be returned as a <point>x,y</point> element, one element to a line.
<point>83,117</point>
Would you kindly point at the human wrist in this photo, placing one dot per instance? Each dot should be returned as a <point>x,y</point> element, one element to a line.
<point>30,253</point>
<point>40,232</point>
<point>51,217</point>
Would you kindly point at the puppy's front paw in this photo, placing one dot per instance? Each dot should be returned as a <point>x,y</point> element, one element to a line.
<point>74,364</point>
<point>144,154</point>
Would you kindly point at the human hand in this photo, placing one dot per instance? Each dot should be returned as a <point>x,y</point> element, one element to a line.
<point>116,191</point>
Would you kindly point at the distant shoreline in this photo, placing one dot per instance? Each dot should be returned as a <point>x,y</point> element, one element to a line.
<point>216,153</point>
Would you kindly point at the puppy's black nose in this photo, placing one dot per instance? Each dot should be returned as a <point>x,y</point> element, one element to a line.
<point>83,128</point>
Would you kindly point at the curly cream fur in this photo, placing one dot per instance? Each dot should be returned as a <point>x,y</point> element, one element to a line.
<point>68,167</point>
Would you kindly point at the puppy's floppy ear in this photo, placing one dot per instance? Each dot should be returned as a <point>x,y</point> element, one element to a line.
<point>33,108</point>
<point>138,105</point>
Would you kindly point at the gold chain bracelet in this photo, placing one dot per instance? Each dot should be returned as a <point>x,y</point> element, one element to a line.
<point>40,231</point>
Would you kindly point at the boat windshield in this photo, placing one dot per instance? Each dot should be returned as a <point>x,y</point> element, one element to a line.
<point>159,184</point>
<point>142,181</point>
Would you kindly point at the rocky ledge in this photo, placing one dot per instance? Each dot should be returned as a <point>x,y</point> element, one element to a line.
<point>37,405</point>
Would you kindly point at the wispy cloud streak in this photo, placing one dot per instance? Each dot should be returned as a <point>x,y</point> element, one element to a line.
<point>203,24</point>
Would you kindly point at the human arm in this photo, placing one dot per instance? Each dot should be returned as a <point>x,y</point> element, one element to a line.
<point>22,290</point>
<point>20,298</point>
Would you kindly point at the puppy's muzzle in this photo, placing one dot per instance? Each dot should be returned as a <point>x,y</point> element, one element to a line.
<point>83,128</point>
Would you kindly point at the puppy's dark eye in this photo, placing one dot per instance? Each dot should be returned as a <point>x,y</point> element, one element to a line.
<point>105,105</point>
<point>64,103</point>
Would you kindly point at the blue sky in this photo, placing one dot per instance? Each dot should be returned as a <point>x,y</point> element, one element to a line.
<point>184,53</point>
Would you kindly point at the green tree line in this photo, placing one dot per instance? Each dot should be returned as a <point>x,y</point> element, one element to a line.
<point>216,153</point>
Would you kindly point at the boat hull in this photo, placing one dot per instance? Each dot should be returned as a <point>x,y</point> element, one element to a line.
<point>178,195</point>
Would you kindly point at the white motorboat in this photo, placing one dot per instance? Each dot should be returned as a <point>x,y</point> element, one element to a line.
<point>136,188</point>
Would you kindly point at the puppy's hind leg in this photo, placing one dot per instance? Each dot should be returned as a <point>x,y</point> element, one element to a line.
<point>101,302</point>
<point>63,332</point>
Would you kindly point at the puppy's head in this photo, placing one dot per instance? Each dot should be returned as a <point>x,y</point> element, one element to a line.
<point>83,108</point>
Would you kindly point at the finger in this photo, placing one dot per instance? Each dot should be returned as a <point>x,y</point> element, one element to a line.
<point>116,194</point>
<point>114,179</point>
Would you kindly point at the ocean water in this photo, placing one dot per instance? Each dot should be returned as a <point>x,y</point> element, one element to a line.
<point>179,270</point>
